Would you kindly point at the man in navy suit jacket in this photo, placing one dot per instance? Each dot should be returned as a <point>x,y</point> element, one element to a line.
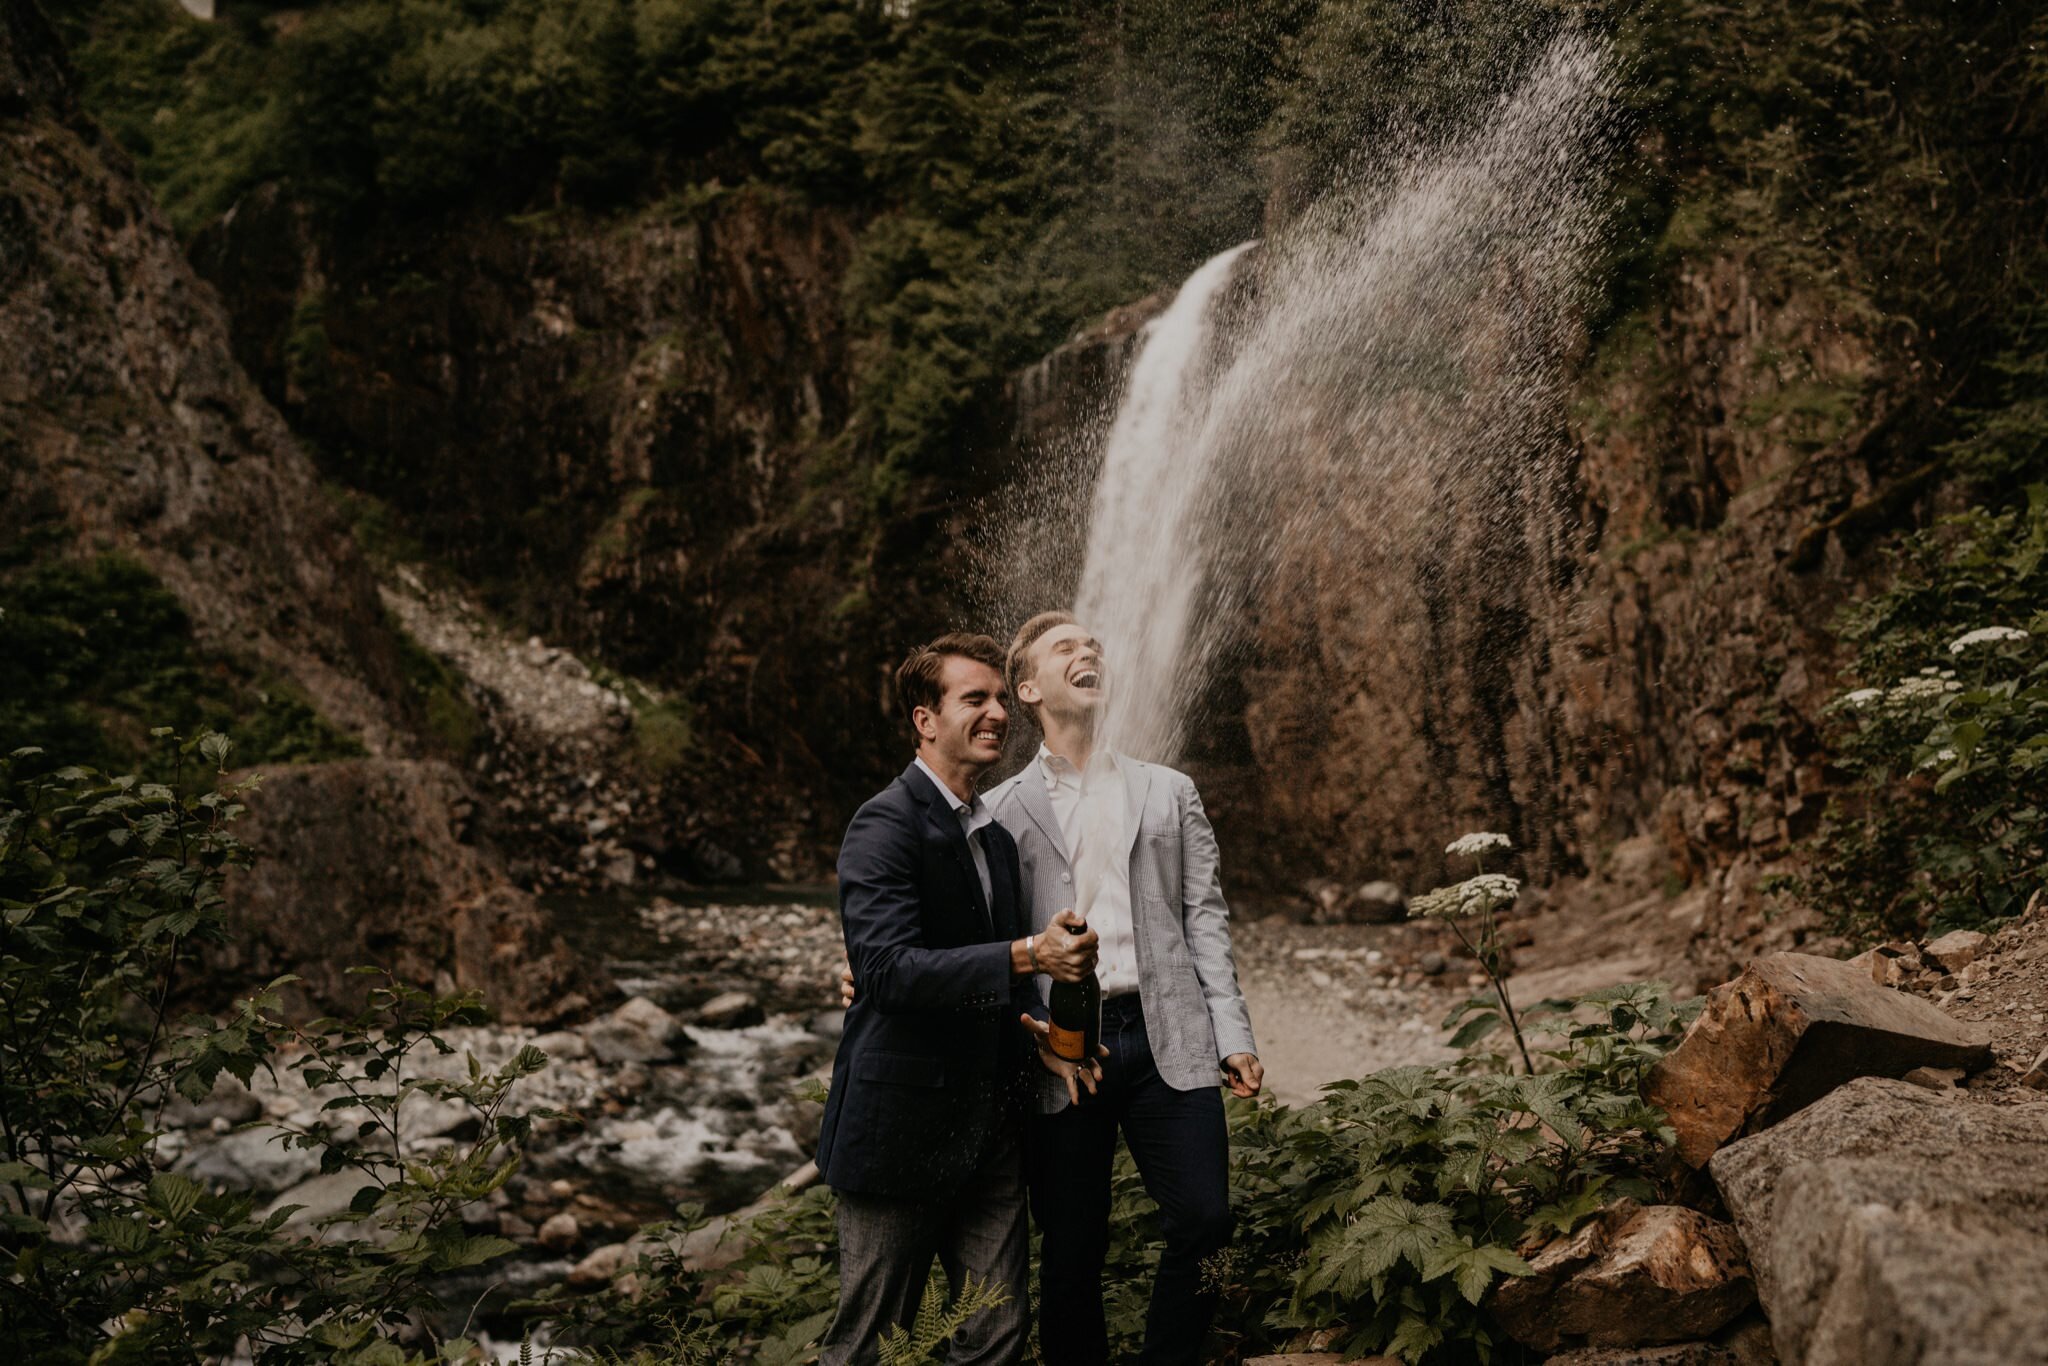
<point>928,1091</point>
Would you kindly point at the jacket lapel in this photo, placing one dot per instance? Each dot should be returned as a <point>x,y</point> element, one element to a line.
<point>1137,784</point>
<point>941,821</point>
<point>1031,792</point>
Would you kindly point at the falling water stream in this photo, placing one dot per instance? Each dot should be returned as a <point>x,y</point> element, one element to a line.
<point>1396,347</point>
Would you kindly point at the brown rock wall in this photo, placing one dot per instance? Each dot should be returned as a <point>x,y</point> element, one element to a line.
<point>127,425</point>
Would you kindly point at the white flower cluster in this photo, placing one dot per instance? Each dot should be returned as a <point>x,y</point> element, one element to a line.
<point>1984,635</point>
<point>1477,843</point>
<point>1929,685</point>
<point>1473,896</point>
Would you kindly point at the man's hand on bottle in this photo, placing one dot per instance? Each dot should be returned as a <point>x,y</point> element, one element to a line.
<point>1073,1074</point>
<point>1243,1074</point>
<point>1064,955</point>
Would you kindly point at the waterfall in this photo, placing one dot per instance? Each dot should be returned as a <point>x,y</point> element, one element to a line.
<point>1144,561</point>
<point>1402,354</point>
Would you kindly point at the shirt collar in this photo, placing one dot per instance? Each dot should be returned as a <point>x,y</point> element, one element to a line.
<point>1057,768</point>
<point>973,814</point>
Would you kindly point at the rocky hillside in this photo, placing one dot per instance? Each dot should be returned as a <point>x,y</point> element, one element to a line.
<point>159,514</point>
<point>130,429</point>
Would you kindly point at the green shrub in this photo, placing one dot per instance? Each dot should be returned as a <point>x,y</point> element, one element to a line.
<point>98,650</point>
<point>110,893</point>
<point>1945,741</point>
<point>1391,1206</point>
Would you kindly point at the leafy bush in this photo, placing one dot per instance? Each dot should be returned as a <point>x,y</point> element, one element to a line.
<point>110,891</point>
<point>1391,1206</point>
<point>98,649</point>
<point>1946,740</point>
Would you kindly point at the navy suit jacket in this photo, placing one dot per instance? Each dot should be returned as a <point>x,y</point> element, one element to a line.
<point>930,1070</point>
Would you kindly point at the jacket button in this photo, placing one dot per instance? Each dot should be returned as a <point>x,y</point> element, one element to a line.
<point>1066,877</point>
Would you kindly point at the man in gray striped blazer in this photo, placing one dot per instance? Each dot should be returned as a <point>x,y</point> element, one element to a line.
<point>1126,844</point>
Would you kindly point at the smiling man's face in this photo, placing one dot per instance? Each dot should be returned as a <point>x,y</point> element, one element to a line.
<point>1066,672</point>
<point>973,716</point>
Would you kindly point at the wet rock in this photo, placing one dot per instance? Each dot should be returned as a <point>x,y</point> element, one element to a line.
<point>560,1233</point>
<point>1888,1225</point>
<point>730,1010</point>
<point>638,1031</point>
<point>1787,1031</point>
<point>1955,950</point>
<point>1633,1277</point>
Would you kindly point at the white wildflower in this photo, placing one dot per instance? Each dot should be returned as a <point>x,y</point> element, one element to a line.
<point>1938,758</point>
<point>1922,689</point>
<point>1473,896</point>
<point>1477,843</point>
<point>1984,635</point>
<point>1862,697</point>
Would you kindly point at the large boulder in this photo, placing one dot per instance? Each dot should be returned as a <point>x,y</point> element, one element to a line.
<point>1786,1032</point>
<point>1634,1277</point>
<point>1889,1225</point>
<point>367,861</point>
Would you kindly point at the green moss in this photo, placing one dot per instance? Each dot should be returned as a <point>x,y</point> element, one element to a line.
<point>98,652</point>
<point>662,737</point>
<point>445,709</point>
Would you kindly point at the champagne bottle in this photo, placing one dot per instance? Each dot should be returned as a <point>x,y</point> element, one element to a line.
<point>1076,1016</point>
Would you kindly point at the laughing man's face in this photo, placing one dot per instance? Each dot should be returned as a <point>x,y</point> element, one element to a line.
<point>973,716</point>
<point>1066,675</point>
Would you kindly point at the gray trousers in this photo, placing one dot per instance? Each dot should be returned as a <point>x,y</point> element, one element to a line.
<point>886,1246</point>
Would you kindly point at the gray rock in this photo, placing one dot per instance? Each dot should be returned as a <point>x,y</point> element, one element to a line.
<point>229,1101</point>
<point>1377,903</point>
<point>563,1045</point>
<point>250,1160</point>
<point>1888,1225</point>
<point>1431,962</point>
<point>730,1010</point>
<point>324,1196</point>
<point>638,1031</point>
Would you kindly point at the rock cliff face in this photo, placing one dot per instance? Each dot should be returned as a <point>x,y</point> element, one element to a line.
<point>370,861</point>
<point>1642,647</point>
<point>628,435</point>
<point>126,423</point>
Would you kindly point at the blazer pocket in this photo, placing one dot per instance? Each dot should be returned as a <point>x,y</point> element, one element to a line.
<point>900,1069</point>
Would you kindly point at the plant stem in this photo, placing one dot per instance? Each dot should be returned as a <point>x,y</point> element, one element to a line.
<point>1500,990</point>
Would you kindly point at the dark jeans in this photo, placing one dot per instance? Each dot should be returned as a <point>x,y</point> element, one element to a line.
<point>1182,1150</point>
<point>886,1246</point>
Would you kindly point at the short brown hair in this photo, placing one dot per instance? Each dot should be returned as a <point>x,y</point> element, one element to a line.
<point>1020,650</point>
<point>917,677</point>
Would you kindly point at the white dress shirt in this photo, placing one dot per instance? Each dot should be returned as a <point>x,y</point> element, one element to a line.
<point>1092,808</point>
<point>973,815</point>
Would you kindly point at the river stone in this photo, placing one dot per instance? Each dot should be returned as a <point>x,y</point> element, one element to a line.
<point>1889,1225</point>
<point>249,1160</point>
<point>1786,1032</point>
<point>730,1010</point>
<point>1633,1277</point>
<point>322,1196</point>
<point>1377,903</point>
<point>638,1031</point>
<point>560,1233</point>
